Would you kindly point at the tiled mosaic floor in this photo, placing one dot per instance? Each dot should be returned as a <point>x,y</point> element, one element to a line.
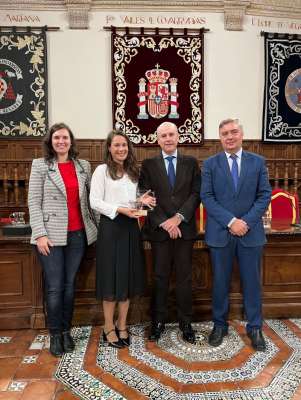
<point>170,369</point>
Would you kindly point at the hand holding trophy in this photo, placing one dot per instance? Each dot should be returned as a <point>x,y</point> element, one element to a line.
<point>145,198</point>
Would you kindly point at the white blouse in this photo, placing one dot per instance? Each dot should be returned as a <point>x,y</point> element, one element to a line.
<point>107,194</point>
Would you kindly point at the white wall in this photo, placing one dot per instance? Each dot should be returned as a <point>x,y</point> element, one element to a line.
<point>79,68</point>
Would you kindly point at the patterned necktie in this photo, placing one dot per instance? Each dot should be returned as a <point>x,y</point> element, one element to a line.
<point>234,170</point>
<point>171,171</point>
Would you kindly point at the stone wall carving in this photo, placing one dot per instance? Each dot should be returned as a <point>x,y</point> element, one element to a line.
<point>78,13</point>
<point>234,10</point>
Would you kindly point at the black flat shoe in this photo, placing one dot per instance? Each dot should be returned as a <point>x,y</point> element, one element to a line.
<point>187,332</point>
<point>216,336</point>
<point>117,344</point>
<point>126,341</point>
<point>157,329</point>
<point>56,345</point>
<point>257,340</point>
<point>68,342</point>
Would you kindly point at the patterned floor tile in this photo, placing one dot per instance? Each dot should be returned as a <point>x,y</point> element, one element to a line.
<point>17,386</point>
<point>5,339</point>
<point>30,359</point>
<point>150,371</point>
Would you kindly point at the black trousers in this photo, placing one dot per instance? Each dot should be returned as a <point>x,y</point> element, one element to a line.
<point>169,254</point>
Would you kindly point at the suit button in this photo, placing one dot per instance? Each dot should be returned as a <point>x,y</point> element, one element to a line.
<point>172,197</point>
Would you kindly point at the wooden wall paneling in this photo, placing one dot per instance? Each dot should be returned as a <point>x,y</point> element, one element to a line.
<point>21,289</point>
<point>281,277</point>
<point>15,162</point>
<point>28,150</point>
<point>16,286</point>
<point>92,149</point>
<point>4,150</point>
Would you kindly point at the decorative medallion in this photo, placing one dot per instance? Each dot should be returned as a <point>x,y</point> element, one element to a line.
<point>23,84</point>
<point>282,95</point>
<point>293,90</point>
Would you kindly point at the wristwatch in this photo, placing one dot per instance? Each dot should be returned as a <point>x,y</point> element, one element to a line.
<point>182,218</point>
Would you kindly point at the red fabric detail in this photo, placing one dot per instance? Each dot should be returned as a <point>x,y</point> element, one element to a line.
<point>68,173</point>
<point>284,206</point>
<point>5,220</point>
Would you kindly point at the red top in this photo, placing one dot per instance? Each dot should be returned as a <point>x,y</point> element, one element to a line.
<point>68,173</point>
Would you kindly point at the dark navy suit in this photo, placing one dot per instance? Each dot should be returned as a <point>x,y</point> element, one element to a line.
<point>222,203</point>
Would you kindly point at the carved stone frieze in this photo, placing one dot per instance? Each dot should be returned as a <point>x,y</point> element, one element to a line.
<point>234,11</point>
<point>78,13</point>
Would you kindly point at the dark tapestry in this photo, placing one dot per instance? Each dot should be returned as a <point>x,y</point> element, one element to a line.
<point>282,95</point>
<point>23,84</point>
<point>158,78</point>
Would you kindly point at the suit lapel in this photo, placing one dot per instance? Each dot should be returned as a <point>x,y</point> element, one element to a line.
<point>180,170</point>
<point>55,176</point>
<point>162,172</point>
<point>225,167</point>
<point>81,177</point>
<point>243,170</point>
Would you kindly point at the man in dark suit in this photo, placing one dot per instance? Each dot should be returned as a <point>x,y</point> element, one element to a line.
<point>171,227</point>
<point>235,192</point>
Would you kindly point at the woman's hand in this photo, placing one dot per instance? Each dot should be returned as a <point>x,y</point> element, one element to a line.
<point>148,199</point>
<point>43,244</point>
<point>129,212</point>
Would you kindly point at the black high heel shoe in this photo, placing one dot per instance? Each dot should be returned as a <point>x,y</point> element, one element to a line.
<point>125,341</point>
<point>117,345</point>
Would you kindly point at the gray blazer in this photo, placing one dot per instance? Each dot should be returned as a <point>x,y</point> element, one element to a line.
<point>47,201</point>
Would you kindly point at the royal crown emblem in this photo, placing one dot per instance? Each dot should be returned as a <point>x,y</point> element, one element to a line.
<point>160,97</point>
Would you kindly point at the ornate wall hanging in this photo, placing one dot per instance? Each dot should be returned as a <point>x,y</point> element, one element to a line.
<point>282,94</point>
<point>158,77</point>
<point>23,84</point>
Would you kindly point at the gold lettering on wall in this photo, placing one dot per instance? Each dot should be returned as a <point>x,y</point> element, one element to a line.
<point>274,24</point>
<point>13,18</point>
<point>175,20</point>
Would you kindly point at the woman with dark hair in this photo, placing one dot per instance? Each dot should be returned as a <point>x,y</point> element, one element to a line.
<point>61,227</point>
<point>120,272</point>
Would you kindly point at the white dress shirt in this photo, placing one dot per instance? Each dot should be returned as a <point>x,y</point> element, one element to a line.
<point>107,194</point>
<point>238,159</point>
<point>174,161</point>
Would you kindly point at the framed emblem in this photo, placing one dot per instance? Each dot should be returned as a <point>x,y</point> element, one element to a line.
<point>158,78</point>
<point>282,93</point>
<point>23,84</point>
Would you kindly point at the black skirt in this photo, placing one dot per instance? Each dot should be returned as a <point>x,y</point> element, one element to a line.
<point>120,268</point>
